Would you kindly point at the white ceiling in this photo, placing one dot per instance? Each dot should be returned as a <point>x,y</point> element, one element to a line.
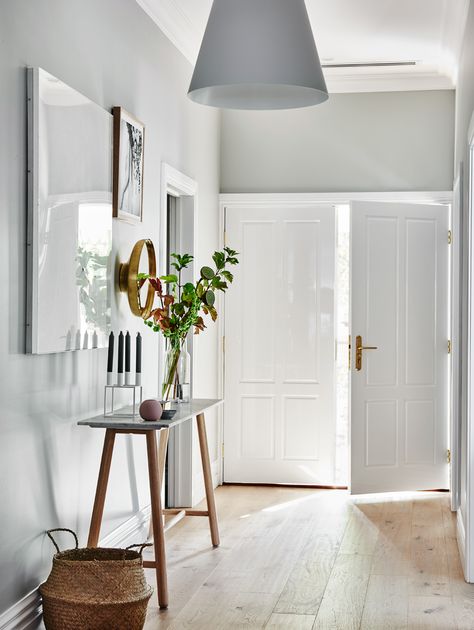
<point>354,31</point>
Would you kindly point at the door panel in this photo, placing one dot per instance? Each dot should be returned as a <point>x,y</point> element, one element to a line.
<point>279,424</point>
<point>399,297</point>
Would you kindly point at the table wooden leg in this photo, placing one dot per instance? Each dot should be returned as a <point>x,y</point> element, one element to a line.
<point>163,436</point>
<point>157,519</point>
<point>102,481</point>
<point>206,469</point>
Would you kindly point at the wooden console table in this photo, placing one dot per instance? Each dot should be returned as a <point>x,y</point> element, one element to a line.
<point>156,452</point>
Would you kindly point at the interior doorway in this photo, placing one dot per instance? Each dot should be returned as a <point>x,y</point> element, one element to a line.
<point>178,228</point>
<point>298,408</point>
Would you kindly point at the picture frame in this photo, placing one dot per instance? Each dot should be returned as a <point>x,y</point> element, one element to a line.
<point>128,166</point>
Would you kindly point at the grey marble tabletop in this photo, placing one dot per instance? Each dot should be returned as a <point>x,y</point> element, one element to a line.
<point>185,411</point>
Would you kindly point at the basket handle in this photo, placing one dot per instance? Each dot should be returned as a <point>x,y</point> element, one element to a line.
<point>142,547</point>
<point>61,529</point>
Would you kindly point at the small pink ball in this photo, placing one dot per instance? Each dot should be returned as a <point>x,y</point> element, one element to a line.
<point>151,409</point>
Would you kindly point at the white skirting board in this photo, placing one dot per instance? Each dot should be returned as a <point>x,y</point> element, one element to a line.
<point>26,613</point>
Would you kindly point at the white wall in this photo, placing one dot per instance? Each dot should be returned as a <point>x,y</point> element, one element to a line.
<point>353,142</point>
<point>464,111</point>
<point>112,52</point>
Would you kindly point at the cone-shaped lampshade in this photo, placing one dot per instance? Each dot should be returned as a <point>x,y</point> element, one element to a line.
<point>258,54</point>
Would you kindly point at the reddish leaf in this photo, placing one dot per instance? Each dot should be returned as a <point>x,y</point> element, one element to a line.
<point>164,323</point>
<point>158,314</point>
<point>156,284</point>
<point>168,299</point>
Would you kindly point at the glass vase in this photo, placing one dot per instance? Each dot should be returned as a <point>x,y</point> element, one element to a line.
<point>184,374</point>
<point>176,375</point>
<point>169,384</point>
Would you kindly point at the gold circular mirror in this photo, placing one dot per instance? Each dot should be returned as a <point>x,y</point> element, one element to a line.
<point>128,281</point>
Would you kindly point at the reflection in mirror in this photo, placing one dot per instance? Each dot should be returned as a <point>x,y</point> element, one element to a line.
<point>70,217</point>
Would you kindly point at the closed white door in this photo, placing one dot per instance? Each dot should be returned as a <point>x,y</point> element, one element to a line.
<point>279,415</point>
<point>399,394</point>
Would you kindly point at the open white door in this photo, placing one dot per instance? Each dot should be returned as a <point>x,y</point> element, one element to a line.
<point>279,417</point>
<point>400,304</point>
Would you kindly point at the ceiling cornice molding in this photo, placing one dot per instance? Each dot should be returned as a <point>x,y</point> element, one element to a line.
<point>453,34</point>
<point>175,24</point>
<point>384,82</point>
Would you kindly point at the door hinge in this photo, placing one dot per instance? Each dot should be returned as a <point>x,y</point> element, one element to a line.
<point>448,455</point>
<point>225,238</point>
<point>349,353</point>
<point>222,450</point>
<point>223,343</point>
<point>449,346</point>
<point>450,237</point>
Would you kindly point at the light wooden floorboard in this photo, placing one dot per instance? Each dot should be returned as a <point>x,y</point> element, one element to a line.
<point>292,622</point>
<point>319,560</point>
<point>386,603</point>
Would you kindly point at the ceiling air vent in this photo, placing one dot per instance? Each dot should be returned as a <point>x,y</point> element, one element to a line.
<point>376,64</point>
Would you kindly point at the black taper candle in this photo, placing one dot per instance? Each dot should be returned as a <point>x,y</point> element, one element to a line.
<point>127,352</point>
<point>120,354</point>
<point>110,356</point>
<point>138,354</point>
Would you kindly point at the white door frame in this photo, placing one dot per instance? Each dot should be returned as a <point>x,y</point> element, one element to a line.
<point>180,479</point>
<point>457,282</point>
<point>241,199</point>
<point>465,520</point>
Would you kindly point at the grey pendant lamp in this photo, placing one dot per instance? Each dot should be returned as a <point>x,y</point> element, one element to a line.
<point>258,54</point>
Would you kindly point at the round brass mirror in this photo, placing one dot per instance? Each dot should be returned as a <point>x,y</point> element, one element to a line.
<point>128,281</point>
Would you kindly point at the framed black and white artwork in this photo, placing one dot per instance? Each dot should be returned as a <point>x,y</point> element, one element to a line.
<point>129,136</point>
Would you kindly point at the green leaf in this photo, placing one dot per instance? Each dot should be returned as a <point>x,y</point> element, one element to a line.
<point>218,284</point>
<point>219,259</point>
<point>188,287</point>
<point>143,276</point>
<point>181,261</point>
<point>227,275</point>
<point>207,273</point>
<point>169,279</point>
<point>210,298</point>
<point>178,309</point>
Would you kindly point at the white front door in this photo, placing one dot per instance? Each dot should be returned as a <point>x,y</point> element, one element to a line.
<point>279,424</point>
<point>399,396</point>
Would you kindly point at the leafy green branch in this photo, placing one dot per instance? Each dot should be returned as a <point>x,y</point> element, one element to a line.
<point>180,305</point>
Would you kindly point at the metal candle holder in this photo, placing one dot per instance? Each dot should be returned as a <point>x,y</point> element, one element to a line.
<point>137,394</point>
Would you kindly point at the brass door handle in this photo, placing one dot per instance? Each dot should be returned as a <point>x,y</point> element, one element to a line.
<point>359,348</point>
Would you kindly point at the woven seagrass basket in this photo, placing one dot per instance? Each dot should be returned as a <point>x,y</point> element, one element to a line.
<point>95,589</point>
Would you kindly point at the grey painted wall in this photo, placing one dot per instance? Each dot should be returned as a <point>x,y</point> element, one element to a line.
<point>112,52</point>
<point>464,111</point>
<point>354,142</point>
